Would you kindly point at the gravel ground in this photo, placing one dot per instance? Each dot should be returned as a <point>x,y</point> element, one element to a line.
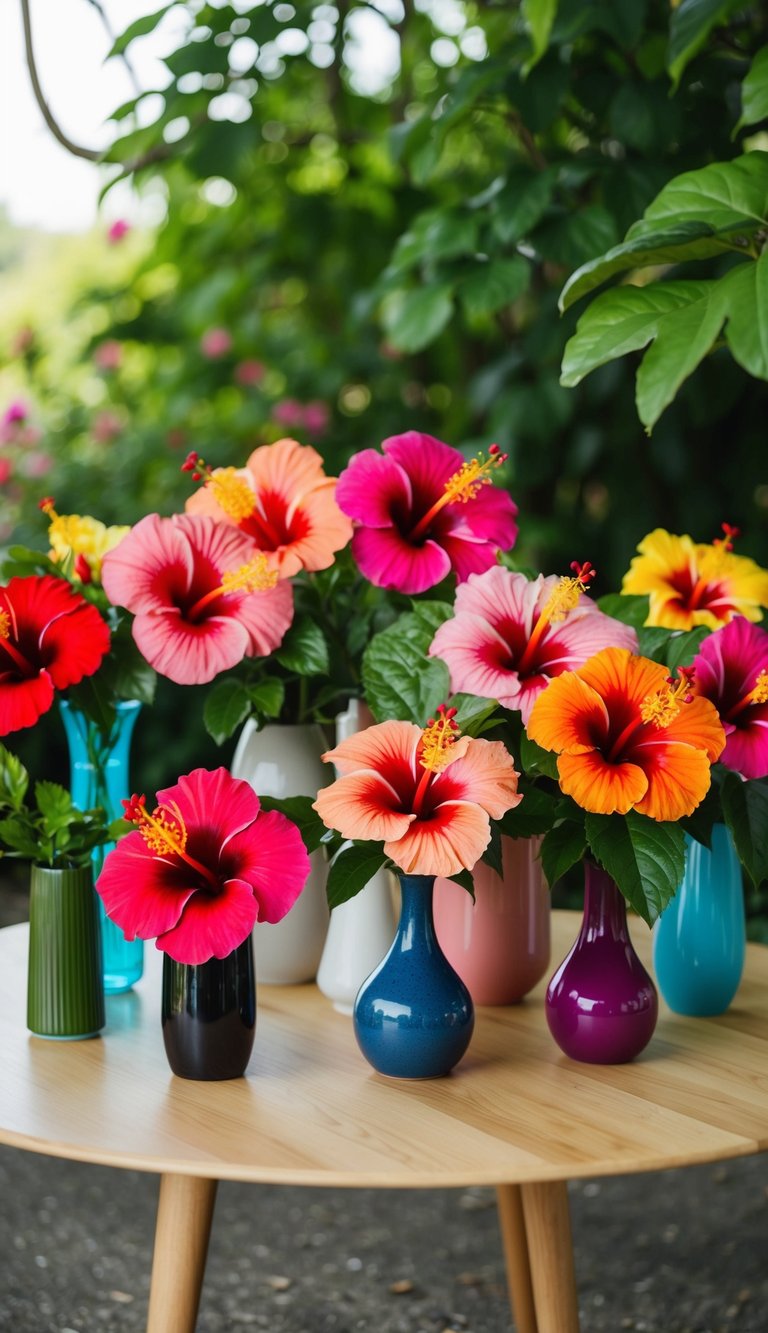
<point>672,1252</point>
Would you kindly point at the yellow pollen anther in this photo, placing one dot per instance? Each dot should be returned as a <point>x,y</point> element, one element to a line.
<point>5,625</point>
<point>232,492</point>
<point>663,706</point>
<point>255,576</point>
<point>563,598</point>
<point>437,738</point>
<point>759,695</point>
<point>465,484</point>
<point>164,830</point>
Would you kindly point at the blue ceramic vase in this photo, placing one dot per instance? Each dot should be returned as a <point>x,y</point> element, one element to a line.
<point>99,776</point>
<point>700,938</point>
<point>414,1016</point>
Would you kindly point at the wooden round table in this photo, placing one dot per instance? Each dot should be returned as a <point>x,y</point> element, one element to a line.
<point>515,1114</point>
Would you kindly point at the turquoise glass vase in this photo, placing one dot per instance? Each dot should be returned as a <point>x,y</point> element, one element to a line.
<point>99,775</point>
<point>700,938</point>
<point>414,1016</point>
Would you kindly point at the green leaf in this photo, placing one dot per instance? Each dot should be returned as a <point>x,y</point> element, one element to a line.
<point>465,879</point>
<point>535,760</point>
<point>399,679</point>
<point>746,294</point>
<point>492,856</point>
<point>563,846</point>
<point>623,320</point>
<point>267,696</point>
<point>683,647</point>
<point>626,607</point>
<point>430,615</point>
<point>690,25</point>
<point>725,195</point>
<point>299,810</point>
<point>700,823</point>
<point>494,284</point>
<point>534,815</point>
<point>353,868</point>
<point>19,838</point>
<point>652,642</point>
<point>139,28</point>
<point>413,319</point>
<point>435,235</point>
<point>472,713</point>
<point>520,205</point>
<point>645,858</point>
<point>539,16</point>
<point>55,805</point>
<point>572,238</point>
<point>14,780</point>
<point>683,338</point>
<point>304,649</point>
<point>227,704</point>
<point>754,92</point>
<point>745,809</point>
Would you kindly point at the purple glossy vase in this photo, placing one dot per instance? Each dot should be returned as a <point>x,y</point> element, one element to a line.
<point>601,1004</point>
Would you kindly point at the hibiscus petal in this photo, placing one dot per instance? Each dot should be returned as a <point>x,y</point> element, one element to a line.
<point>388,746</point>
<point>286,468</point>
<point>327,529</point>
<point>678,779</point>
<point>190,654</point>
<point>56,630</point>
<point>221,546</point>
<point>697,724</point>
<point>569,715</point>
<point>142,893</point>
<point>265,616</point>
<point>388,560</point>
<point>599,786</point>
<point>454,838</point>
<point>427,462</point>
<point>362,806</point>
<point>490,515</point>
<point>212,925</point>
<point>272,858</point>
<point>469,555</point>
<point>746,749</point>
<point>485,775</point>
<point>372,488</point>
<point>618,676</point>
<point>151,568</point>
<point>213,800</point>
<point>22,702</point>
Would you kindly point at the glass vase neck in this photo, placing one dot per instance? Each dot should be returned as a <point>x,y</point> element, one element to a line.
<point>605,908</point>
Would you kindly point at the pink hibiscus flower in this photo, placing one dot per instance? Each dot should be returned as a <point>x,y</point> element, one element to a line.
<point>731,670</point>
<point>427,795</point>
<point>423,511</point>
<point>201,599</point>
<point>282,500</point>
<point>50,638</point>
<point>510,636</point>
<point>202,868</point>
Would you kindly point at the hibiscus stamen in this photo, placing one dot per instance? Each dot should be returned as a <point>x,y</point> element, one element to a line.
<point>462,486</point>
<point>658,709</point>
<point>8,627</point>
<point>255,576</point>
<point>563,598</point>
<point>434,749</point>
<point>723,547</point>
<point>725,543</point>
<point>757,695</point>
<point>164,832</point>
<point>231,493</point>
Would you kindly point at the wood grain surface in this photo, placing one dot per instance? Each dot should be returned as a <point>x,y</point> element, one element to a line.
<point>311,1111</point>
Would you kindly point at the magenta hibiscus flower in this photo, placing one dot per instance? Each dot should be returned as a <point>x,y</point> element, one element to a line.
<point>202,868</point>
<point>423,511</point>
<point>50,638</point>
<point>510,636</point>
<point>731,669</point>
<point>201,599</point>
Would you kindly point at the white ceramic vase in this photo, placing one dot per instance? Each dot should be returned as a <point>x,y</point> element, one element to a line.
<point>361,930</point>
<point>285,761</point>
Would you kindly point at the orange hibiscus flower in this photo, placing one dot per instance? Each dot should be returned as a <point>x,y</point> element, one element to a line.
<point>628,738</point>
<point>427,795</point>
<point>281,499</point>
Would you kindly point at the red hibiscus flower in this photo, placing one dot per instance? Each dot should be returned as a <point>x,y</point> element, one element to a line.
<point>50,638</point>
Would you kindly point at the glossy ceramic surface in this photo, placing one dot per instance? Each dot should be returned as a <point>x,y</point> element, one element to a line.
<point>209,1015</point>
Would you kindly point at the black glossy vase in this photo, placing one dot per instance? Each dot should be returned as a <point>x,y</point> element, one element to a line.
<point>209,1014</point>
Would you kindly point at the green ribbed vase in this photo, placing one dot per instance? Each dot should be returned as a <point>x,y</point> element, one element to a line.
<point>65,990</point>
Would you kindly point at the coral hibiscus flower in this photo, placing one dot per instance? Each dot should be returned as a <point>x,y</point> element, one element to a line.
<point>427,795</point>
<point>201,599</point>
<point>423,511</point>
<point>202,868</point>
<point>282,500</point>
<point>731,670</point>
<point>50,638</point>
<point>627,737</point>
<point>693,583</point>
<point>510,636</point>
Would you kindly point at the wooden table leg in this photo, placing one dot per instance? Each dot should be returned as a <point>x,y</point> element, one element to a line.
<point>550,1250</point>
<point>515,1242</point>
<point>184,1216</point>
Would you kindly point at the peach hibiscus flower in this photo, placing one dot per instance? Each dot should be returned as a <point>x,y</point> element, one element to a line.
<point>282,500</point>
<point>428,795</point>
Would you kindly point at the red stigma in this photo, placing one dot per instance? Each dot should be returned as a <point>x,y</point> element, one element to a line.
<point>191,461</point>
<point>134,808</point>
<point>46,504</point>
<point>583,573</point>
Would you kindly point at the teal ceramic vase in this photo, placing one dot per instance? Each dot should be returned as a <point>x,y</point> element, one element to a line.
<point>65,991</point>
<point>700,938</point>
<point>99,775</point>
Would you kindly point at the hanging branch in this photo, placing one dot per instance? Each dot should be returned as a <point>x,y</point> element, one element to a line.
<point>90,154</point>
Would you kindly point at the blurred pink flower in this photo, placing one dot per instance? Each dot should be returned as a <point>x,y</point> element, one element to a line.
<point>15,414</point>
<point>316,417</point>
<point>118,230</point>
<point>106,426</point>
<point>249,372</point>
<point>215,343</point>
<point>288,413</point>
<point>5,470</point>
<point>36,464</point>
<point>108,355</point>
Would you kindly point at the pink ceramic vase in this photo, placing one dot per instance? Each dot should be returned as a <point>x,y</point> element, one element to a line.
<point>499,945</point>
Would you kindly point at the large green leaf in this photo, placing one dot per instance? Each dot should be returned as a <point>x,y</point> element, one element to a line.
<point>746,332</point>
<point>227,704</point>
<point>304,649</point>
<point>745,809</point>
<point>534,815</point>
<point>494,285</point>
<point>622,320</point>
<point>644,857</point>
<point>690,25</point>
<point>352,869</point>
<point>683,338</point>
<point>563,846</point>
<point>139,28</point>
<point>413,319</point>
<point>521,204</point>
<point>539,16</point>
<point>754,92</point>
<point>649,248</point>
<point>399,679</point>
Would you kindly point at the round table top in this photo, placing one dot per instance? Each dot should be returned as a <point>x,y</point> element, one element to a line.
<point>311,1111</point>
